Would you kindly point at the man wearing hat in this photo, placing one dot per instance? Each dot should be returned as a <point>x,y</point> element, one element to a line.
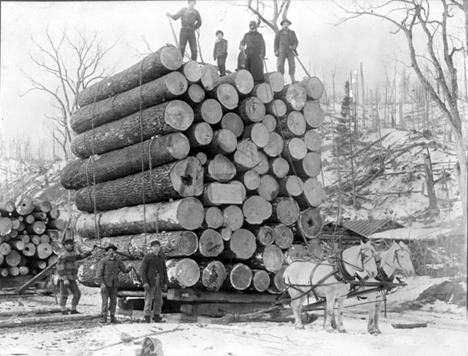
<point>191,21</point>
<point>253,45</point>
<point>67,271</point>
<point>220,52</point>
<point>285,48</point>
<point>154,278</point>
<point>107,275</point>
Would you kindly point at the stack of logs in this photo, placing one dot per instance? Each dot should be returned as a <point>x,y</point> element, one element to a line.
<point>222,171</point>
<point>29,236</point>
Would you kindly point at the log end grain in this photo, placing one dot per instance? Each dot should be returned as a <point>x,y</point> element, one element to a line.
<point>313,114</point>
<point>227,96</point>
<point>294,149</point>
<point>213,276</point>
<point>191,71</point>
<point>268,188</point>
<point>252,109</point>
<point>210,111</point>
<point>310,165</point>
<point>170,57</point>
<point>232,122</point>
<point>178,145</point>
<point>256,209</point>
<point>310,223</point>
<point>186,272</point>
<point>277,108</point>
<point>276,81</point>
<point>233,217</point>
<point>221,169</point>
<point>264,92</point>
<point>188,243</point>
<point>187,177</point>
<point>209,77</point>
<point>313,140</point>
<point>270,122</point>
<point>275,145</point>
<point>176,83</point>
<point>314,88</point>
<point>240,277</point>
<point>313,192</point>
<point>214,217</point>
<point>265,235</point>
<point>190,213</point>
<point>246,155</point>
<point>260,281</point>
<point>210,243</point>
<point>283,236</point>
<point>244,81</point>
<point>287,210</point>
<point>273,258</point>
<point>179,115</point>
<point>242,244</point>
<point>195,93</point>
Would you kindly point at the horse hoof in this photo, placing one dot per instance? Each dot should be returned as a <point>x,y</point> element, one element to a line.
<point>330,330</point>
<point>343,331</point>
<point>300,327</point>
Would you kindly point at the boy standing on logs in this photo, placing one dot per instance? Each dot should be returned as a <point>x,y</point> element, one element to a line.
<point>254,46</point>
<point>154,278</point>
<point>108,276</point>
<point>67,271</point>
<point>285,48</point>
<point>220,52</point>
<point>191,21</point>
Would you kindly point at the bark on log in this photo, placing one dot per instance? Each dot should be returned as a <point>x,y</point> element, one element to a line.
<point>210,244</point>
<point>263,165</point>
<point>24,205</point>
<point>251,110</point>
<point>275,145</point>
<point>218,194</point>
<point>219,169</point>
<point>179,179</point>
<point>164,60</point>
<point>54,213</point>
<point>226,95</point>
<point>246,155</point>
<point>43,206</point>
<point>256,210</point>
<point>268,258</point>
<point>53,234</point>
<point>270,122</point>
<point>277,108</point>
<point>192,71</point>
<point>163,89</point>
<point>194,95</point>
<point>162,119</point>
<point>291,186</point>
<point>285,210</point>
<point>238,277</point>
<point>4,272</point>
<point>313,114</point>
<point>232,122</point>
<point>13,259</point>
<point>224,142</point>
<point>277,284</point>
<point>123,162</point>
<point>38,216</point>
<point>294,149</point>
<point>56,224</point>
<point>233,217</point>
<point>209,77</point>
<point>258,133</point>
<point>310,165</point>
<point>268,188</point>
<point>264,92</point>
<point>241,246</point>
<point>292,125</point>
<point>294,96</point>
<point>265,235</point>
<point>213,217</point>
<point>313,87</point>
<point>310,223</point>
<point>241,80</point>
<point>250,179</point>
<point>260,281</point>
<point>199,134</point>
<point>6,225</point>
<point>313,140</point>
<point>17,245</point>
<point>213,274</point>
<point>276,81</point>
<point>313,194</point>
<point>183,214</point>
<point>182,272</point>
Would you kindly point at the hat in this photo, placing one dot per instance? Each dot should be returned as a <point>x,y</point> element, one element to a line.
<point>155,243</point>
<point>252,23</point>
<point>285,20</point>
<point>69,242</point>
<point>188,2</point>
<point>111,247</point>
<point>219,31</point>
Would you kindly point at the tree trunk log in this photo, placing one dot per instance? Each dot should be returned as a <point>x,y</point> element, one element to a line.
<point>36,240</point>
<point>194,95</point>
<point>275,145</point>
<point>36,228</point>
<point>6,225</point>
<point>258,133</point>
<point>23,270</point>
<point>294,149</point>
<point>232,122</point>
<point>270,122</point>
<point>277,284</point>
<point>199,134</point>
<point>238,277</point>
<point>263,92</point>
<point>213,275</point>
<point>54,213</point>
<point>313,87</point>
<point>5,248</point>
<point>208,110</point>
<point>164,60</point>
<point>256,210</point>
<point>268,258</point>
<point>219,169</point>
<point>268,188</point>
<point>241,246</point>
<point>284,236</point>
<point>13,271</point>
<point>179,179</point>
<point>285,210</point>
<point>209,77</point>
<point>313,140</point>
<point>24,205</point>
<point>292,126</point>
<point>310,165</point>
<point>183,214</point>
<point>313,194</point>
<point>310,223</point>
<point>313,114</point>
<point>150,94</point>
<point>279,167</point>
<point>39,264</point>
<point>29,219</point>
<point>276,81</point>
<point>251,110</point>
<point>210,244</point>
<point>226,233</point>
<point>260,281</point>
<point>250,179</point>
<point>192,71</point>
<point>218,194</point>
<point>213,217</point>
<point>265,235</point>
<point>43,206</point>
<point>13,259</point>
<point>241,80</point>
<point>202,157</point>
<point>39,216</point>
<point>277,108</point>
<point>126,161</point>
<point>182,272</point>
<point>162,119</point>
<point>43,251</point>
<point>291,186</point>
<point>29,249</point>
<point>198,296</point>
<point>294,96</point>
<point>226,95</point>
<point>246,155</point>
<point>56,224</point>
<point>263,166</point>
<point>17,245</point>
<point>233,217</point>
<point>53,234</point>
<point>45,239</point>
<point>224,142</point>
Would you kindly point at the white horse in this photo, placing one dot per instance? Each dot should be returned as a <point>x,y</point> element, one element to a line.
<point>396,258</point>
<point>325,280</point>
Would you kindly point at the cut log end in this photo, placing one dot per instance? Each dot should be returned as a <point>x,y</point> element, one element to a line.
<point>187,177</point>
<point>176,83</point>
<point>179,115</point>
<point>170,57</point>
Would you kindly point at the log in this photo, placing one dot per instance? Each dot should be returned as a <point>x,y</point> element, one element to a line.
<point>38,216</point>
<point>39,264</point>
<point>17,245</point>
<point>53,234</point>
<point>217,194</point>
<point>210,244</point>
<point>10,206</point>
<point>263,166</point>
<point>183,214</point>
<point>313,114</point>
<point>5,248</point>
<point>233,217</point>
<point>277,108</point>
<point>241,80</point>
<point>4,272</point>
<point>155,92</point>
<point>257,133</point>
<point>285,210</point>
<point>43,251</point>
<point>310,223</point>
<point>21,227</point>
<point>213,217</point>
<point>194,95</point>
<point>270,122</point>
<point>24,205</point>
<point>219,310</point>
<point>313,87</point>
<point>13,271</point>
<point>260,281</point>
<point>37,227</point>
<point>294,96</point>
<point>183,178</point>
<point>29,219</point>
<point>256,210</point>
<point>313,140</point>
<point>263,92</point>
<point>238,277</point>
<point>284,236</point>
<point>277,283</point>
<point>54,213</point>
<point>232,122</point>
<point>162,119</point>
<point>29,249</point>
<point>251,110</point>
<point>166,59</point>
<point>13,259</point>
<point>209,77</point>
<point>243,191</point>
<point>310,165</point>
<point>125,161</point>
<point>250,179</point>
<point>291,186</point>
<point>199,134</point>
<point>246,155</point>
<point>268,187</point>
<point>13,234</point>
<point>35,239</point>
<point>275,145</point>
<point>202,157</point>
<point>294,149</point>
<point>52,260</point>
<point>226,233</point>
<point>199,296</point>
<point>47,320</point>
<point>182,272</point>
<point>265,235</point>
<point>23,270</point>
<point>268,258</point>
<point>313,194</point>
<point>213,275</point>
<point>276,81</point>
<point>25,238</point>
<point>56,224</point>
<point>226,95</point>
<point>224,142</point>
<point>6,225</point>
<point>43,206</point>
<point>241,246</point>
<point>2,258</point>
<point>15,223</point>
<point>192,71</point>
<point>219,169</point>
<point>292,125</point>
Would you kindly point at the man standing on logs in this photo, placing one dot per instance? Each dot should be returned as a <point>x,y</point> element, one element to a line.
<point>254,46</point>
<point>67,271</point>
<point>220,52</point>
<point>191,21</point>
<point>285,48</point>
<point>154,278</point>
<point>108,276</point>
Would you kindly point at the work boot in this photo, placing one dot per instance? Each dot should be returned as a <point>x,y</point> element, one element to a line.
<point>114,320</point>
<point>157,319</point>
<point>103,319</point>
<point>75,312</point>
<point>64,312</point>
<point>147,319</point>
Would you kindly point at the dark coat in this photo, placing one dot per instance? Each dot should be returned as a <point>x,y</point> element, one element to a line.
<point>152,266</point>
<point>220,48</point>
<point>254,43</point>
<point>189,19</point>
<point>108,271</point>
<point>292,40</point>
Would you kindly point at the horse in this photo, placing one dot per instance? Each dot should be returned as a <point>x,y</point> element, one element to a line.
<point>329,281</point>
<point>396,258</point>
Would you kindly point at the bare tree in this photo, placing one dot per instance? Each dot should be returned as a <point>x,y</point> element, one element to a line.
<point>269,12</point>
<point>70,65</point>
<point>409,17</point>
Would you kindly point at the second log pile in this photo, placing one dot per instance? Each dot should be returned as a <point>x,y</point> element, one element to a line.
<point>222,171</point>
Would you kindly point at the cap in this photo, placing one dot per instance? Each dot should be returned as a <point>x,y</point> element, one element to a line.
<point>252,23</point>
<point>285,20</point>
<point>111,247</point>
<point>155,243</point>
<point>219,31</point>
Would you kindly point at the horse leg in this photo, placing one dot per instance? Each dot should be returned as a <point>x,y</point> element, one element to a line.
<point>296,306</point>
<point>329,312</point>
<point>378,309</point>
<point>371,317</point>
<point>341,301</point>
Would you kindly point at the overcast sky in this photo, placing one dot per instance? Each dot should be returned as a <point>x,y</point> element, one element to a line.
<point>323,47</point>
